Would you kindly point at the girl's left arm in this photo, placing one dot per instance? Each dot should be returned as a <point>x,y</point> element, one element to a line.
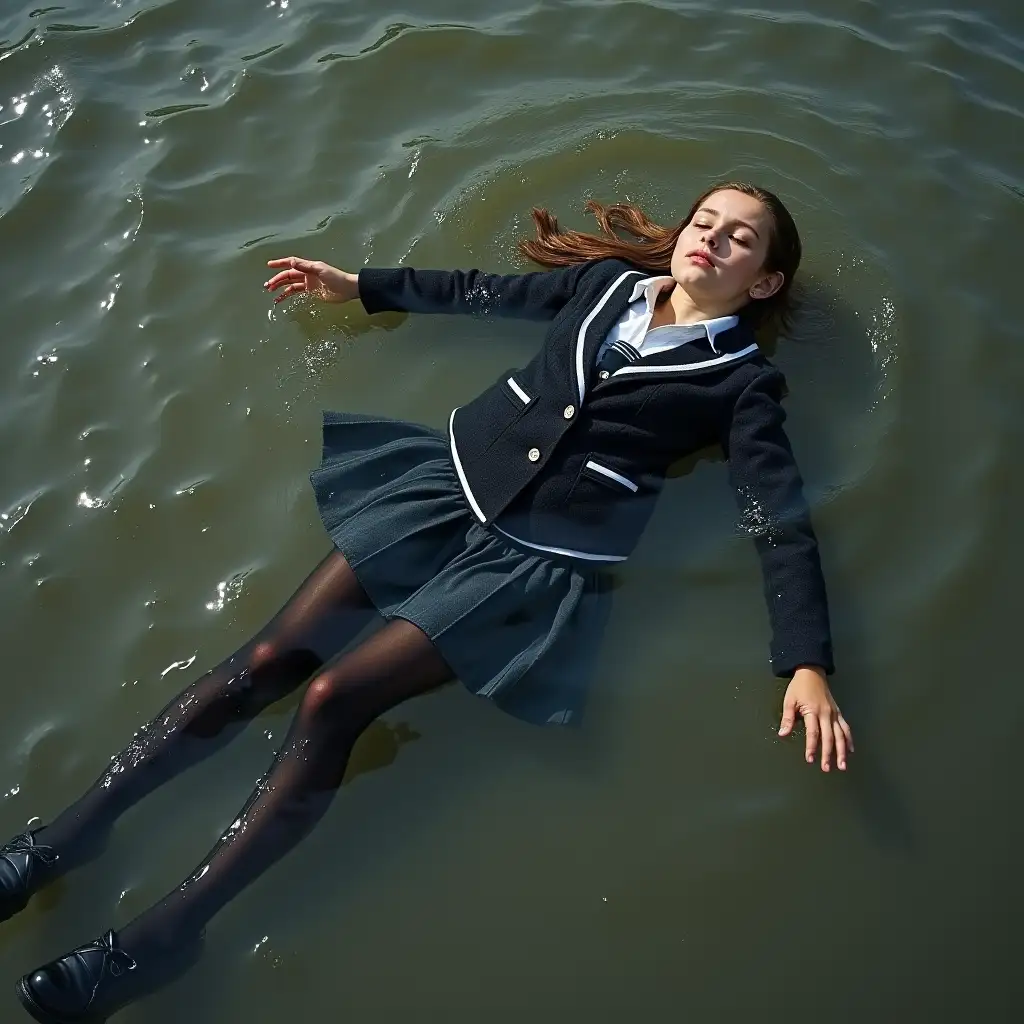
<point>769,491</point>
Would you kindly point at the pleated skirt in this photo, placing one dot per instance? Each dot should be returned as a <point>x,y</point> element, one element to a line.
<point>516,627</point>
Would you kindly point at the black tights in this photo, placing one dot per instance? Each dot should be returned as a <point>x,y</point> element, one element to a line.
<point>344,695</point>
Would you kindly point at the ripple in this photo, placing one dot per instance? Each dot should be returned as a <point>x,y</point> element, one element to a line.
<point>32,119</point>
<point>10,519</point>
<point>100,500</point>
<point>179,666</point>
<point>227,591</point>
<point>8,48</point>
<point>158,423</point>
<point>266,51</point>
<point>57,26</point>
<point>175,108</point>
<point>819,22</point>
<point>392,33</point>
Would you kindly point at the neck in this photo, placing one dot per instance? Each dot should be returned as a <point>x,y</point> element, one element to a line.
<point>689,310</point>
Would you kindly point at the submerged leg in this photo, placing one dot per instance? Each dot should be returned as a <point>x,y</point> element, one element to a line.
<point>210,712</point>
<point>344,697</point>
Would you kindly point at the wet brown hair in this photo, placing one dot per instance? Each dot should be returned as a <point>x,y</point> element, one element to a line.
<point>652,250</point>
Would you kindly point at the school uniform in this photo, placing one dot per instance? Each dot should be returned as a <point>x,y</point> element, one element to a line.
<point>496,536</point>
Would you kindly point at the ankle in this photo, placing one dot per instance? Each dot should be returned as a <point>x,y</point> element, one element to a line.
<point>149,936</point>
<point>72,849</point>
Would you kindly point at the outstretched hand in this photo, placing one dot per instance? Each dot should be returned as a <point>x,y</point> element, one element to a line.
<point>321,280</point>
<point>809,697</point>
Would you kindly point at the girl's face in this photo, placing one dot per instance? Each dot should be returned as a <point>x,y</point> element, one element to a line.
<point>720,254</point>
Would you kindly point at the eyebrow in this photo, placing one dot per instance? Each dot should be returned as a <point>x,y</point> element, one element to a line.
<point>741,223</point>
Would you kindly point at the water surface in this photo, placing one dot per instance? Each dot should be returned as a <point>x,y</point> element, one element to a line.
<point>674,859</point>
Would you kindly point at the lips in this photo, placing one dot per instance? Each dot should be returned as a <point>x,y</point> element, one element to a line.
<point>701,257</point>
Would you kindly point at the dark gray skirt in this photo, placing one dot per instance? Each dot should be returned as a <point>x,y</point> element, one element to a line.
<point>516,627</point>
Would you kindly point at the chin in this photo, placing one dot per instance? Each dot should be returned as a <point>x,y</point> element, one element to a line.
<point>701,284</point>
<point>691,272</point>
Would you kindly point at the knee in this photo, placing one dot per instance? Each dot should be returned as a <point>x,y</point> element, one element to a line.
<point>263,654</point>
<point>273,658</point>
<point>323,695</point>
<point>329,694</point>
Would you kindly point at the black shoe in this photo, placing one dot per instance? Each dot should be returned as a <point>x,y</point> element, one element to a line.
<point>23,869</point>
<point>90,983</point>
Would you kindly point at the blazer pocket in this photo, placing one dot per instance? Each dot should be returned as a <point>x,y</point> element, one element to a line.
<point>601,474</point>
<point>515,392</point>
<point>601,497</point>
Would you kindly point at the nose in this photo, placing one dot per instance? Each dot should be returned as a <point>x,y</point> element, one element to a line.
<point>710,241</point>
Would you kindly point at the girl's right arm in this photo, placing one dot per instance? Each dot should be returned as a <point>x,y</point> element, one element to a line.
<point>533,296</point>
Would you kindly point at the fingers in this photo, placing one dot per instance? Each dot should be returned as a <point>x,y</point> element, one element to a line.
<point>811,728</point>
<point>295,274</point>
<point>788,716</point>
<point>823,723</point>
<point>846,732</point>
<point>295,262</point>
<point>292,289</point>
<point>284,278</point>
<point>827,740</point>
<point>840,738</point>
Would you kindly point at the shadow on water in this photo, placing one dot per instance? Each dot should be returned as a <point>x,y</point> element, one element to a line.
<point>847,375</point>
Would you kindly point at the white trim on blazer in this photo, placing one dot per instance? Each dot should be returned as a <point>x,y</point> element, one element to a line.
<point>706,364</point>
<point>581,376</point>
<point>473,504</point>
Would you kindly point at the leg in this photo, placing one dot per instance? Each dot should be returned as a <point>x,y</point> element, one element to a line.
<point>97,979</point>
<point>397,663</point>
<point>211,711</point>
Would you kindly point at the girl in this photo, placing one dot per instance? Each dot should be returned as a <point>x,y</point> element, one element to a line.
<point>486,549</point>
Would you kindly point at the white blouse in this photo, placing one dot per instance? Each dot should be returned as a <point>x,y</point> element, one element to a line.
<point>633,326</point>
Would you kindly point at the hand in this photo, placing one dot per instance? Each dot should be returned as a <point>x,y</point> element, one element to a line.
<point>320,280</point>
<point>808,695</point>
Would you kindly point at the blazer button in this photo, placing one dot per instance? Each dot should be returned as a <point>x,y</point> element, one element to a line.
<point>603,375</point>
<point>533,454</point>
<point>569,412</point>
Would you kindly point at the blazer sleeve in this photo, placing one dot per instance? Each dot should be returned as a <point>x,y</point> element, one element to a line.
<point>769,492</point>
<point>534,296</point>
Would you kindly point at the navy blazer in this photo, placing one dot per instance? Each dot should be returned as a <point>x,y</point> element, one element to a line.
<point>562,459</point>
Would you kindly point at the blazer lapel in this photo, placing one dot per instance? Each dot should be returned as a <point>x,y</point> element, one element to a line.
<point>733,346</point>
<point>599,321</point>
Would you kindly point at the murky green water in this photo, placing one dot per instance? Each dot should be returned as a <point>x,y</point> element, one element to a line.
<point>673,860</point>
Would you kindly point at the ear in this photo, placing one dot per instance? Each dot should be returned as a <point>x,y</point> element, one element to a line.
<point>767,286</point>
